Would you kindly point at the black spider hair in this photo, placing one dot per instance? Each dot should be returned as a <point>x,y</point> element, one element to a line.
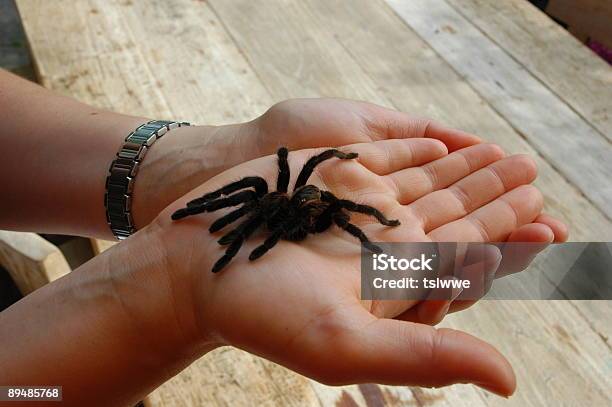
<point>307,210</point>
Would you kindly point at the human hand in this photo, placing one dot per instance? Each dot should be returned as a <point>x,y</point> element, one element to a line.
<point>299,304</point>
<point>192,155</point>
<point>179,163</point>
<point>477,263</point>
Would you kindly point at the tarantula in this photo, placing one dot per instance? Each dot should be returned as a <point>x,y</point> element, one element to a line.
<point>287,216</point>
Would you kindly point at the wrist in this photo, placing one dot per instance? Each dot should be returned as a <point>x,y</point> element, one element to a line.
<point>181,161</point>
<point>190,254</point>
<point>156,300</point>
<point>107,132</point>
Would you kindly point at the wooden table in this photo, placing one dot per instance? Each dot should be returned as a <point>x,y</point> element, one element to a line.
<point>500,69</point>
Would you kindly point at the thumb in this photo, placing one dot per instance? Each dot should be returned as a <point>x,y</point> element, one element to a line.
<point>396,352</point>
<point>389,123</point>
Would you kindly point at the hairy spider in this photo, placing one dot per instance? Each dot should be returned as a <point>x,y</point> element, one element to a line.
<point>287,216</point>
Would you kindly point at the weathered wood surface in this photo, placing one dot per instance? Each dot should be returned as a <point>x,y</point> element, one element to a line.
<point>577,150</point>
<point>543,48</point>
<point>225,61</point>
<point>98,245</point>
<point>31,261</point>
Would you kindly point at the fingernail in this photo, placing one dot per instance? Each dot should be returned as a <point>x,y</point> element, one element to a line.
<point>551,236</point>
<point>455,292</point>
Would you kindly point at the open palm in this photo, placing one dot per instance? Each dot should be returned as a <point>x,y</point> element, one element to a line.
<point>299,304</point>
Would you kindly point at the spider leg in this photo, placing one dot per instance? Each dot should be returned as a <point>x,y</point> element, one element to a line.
<point>240,230</point>
<point>211,206</point>
<point>229,237</point>
<point>245,229</point>
<point>318,159</point>
<point>342,220</point>
<point>368,210</point>
<point>258,183</point>
<point>269,243</point>
<point>283,170</point>
<point>355,207</point>
<point>229,218</point>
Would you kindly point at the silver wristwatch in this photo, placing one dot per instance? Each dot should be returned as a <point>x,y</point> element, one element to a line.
<point>120,180</point>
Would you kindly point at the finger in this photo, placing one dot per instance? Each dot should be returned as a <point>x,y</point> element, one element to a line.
<point>428,312</point>
<point>453,138</point>
<point>495,221</point>
<point>531,232</point>
<point>558,228</point>
<point>402,353</point>
<point>433,310</point>
<point>450,258</point>
<point>387,156</point>
<point>350,180</point>
<point>479,268</point>
<point>472,192</point>
<point>386,123</point>
<point>413,183</point>
<point>523,245</point>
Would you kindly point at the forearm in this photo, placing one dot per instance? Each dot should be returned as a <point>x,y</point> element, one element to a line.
<point>109,332</point>
<point>55,153</point>
<point>55,157</point>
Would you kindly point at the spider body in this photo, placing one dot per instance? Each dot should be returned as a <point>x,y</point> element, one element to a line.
<point>308,210</point>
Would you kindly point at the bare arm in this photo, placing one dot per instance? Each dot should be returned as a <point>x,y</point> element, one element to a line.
<point>55,153</point>
<point>107,332</point>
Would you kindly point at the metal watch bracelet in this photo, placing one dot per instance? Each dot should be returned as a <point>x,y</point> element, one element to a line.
<point>122,173</point>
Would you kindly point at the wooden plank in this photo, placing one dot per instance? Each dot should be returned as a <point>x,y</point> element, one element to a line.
<point>578,151</point>
<point>555,354</point>
<point>92,59</point>
<point>213,83</point>
<point>31,261</point>
<point>107,57</point>
<point>282,42</point>
<point>228,377</point>
<point>14,53</point>
<point>98,245</point>
<point>597,314</point>
<point>545,49</point>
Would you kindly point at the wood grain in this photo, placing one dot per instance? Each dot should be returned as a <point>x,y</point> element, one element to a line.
<point>543,47</point>
<point>578,151</point>
<point>98,246</point>
<point>31,261</point>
